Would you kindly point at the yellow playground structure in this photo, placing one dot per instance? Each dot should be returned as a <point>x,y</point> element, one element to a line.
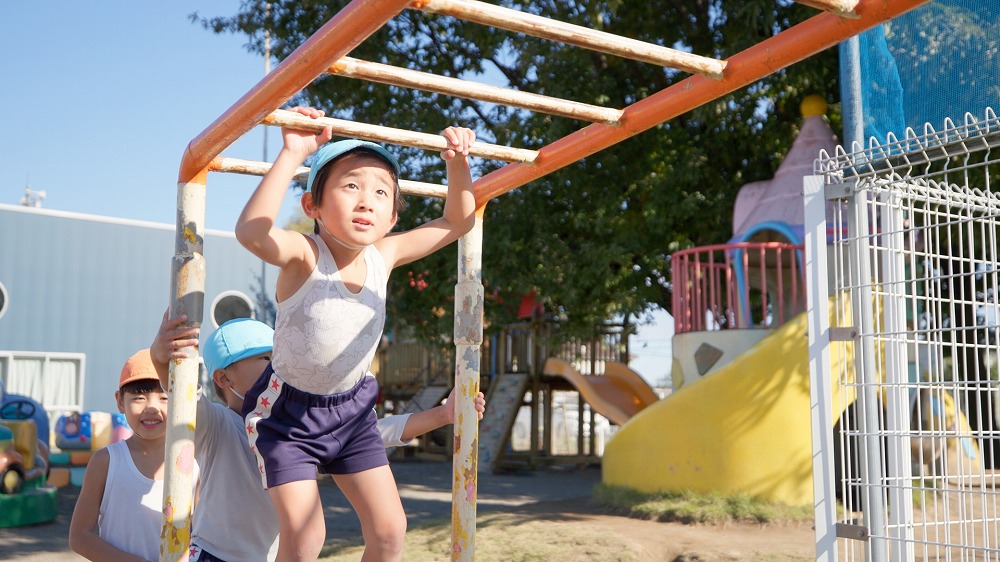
<point>740,418</point>
<point>326,53</point>
<point>743,429</point>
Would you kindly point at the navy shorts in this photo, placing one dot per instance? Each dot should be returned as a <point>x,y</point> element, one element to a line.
<point>296,434</point>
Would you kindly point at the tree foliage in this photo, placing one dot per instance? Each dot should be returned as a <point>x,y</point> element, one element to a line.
<point>592,239</point>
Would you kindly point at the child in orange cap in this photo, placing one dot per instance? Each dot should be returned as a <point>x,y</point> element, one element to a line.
<point>118,515</point>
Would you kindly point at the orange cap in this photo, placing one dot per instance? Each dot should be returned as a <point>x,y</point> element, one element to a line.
<point>138,367</point>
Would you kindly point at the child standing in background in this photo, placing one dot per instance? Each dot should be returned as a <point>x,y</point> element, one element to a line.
<point>118,515</point>
<point>312,409</point>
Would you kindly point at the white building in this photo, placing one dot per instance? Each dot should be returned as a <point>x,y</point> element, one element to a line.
<point>79,294</point>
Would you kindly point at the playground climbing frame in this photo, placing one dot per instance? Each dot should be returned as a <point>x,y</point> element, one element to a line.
<point>325,52</point>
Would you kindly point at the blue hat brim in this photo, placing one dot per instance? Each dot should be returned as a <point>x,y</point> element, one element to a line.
<point>235,340</point>
<point>331,151</point>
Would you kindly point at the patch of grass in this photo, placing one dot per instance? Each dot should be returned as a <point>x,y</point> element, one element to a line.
<point>500,538</point>
<point>517,537</point>
<point>691,507</point>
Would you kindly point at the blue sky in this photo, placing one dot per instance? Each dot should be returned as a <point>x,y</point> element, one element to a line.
<point>103,97</point>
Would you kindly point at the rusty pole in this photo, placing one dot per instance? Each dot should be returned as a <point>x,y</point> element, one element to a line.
<point>468,341</point>
<point>187,296</point>
<point>336,38</point>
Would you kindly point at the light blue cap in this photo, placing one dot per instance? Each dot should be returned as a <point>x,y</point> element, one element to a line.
<point>333,150</point>
<point>237,339</point>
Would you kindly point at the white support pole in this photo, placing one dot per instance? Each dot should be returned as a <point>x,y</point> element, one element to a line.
<point>897,381</point>
<point>187,296</point>
<point>468,342</point>
<point>869,408</point>
<point>820,377</point>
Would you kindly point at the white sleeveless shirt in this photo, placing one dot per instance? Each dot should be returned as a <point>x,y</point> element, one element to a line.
<point>325,336</point>
<point>125,525</point>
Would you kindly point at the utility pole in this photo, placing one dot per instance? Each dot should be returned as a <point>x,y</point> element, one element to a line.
<point>262,295</point>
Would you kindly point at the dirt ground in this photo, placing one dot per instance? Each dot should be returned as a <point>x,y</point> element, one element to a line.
<point>555,494</point>
<point>677,542</point>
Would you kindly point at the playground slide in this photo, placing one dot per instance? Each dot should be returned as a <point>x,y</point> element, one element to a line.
<point>743,429</point>
<point>617,395</point>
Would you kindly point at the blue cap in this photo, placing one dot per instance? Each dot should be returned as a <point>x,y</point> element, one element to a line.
<point>237,339</point>
<point>333,150</point>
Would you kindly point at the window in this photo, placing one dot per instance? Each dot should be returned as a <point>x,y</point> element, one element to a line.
<point>3,300</point>
<point>229,305</point>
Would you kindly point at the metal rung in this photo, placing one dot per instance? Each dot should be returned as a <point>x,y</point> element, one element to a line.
<point>843,8</point>
<point>546,28</point>
<point>378,133</point>
<point>403,77</point>
<point>255,168</point>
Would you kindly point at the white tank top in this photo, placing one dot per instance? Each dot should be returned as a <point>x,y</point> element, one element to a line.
<point>134,529</point>
<point>325,336</point>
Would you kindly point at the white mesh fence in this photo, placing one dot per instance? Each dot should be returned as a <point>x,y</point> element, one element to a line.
<point>902,250</point>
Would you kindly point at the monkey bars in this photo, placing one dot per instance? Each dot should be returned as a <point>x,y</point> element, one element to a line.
<point>326,53</point>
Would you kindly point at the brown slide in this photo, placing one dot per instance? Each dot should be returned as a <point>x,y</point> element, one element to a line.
<point>618,394</point>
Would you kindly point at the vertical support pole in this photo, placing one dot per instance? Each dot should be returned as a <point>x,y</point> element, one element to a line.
<point>535,445</point>
<point>593,433</point>
<point>187,296</point>
<point>869,404</point>
<point>820,378</point>
<point>547,416</point>
<point>897,397</point>
<point>850,92</point>
<point>468,342</point>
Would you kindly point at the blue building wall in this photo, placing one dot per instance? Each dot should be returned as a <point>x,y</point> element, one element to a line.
<point>99,286</point>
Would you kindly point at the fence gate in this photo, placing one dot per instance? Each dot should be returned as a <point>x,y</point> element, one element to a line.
<point>904,276</point>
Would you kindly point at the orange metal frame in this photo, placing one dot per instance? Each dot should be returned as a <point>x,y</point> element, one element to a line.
<point>361,18</point>
<point>327,50</point>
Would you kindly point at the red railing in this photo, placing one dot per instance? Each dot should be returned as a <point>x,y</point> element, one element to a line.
<point>737,286</point>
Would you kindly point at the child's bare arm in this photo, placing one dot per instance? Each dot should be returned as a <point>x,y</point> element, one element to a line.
<point>83,535</point>
<point>256,229</point>
<point>438,416</point>
<point>458,217</point>
<point>460,206</point>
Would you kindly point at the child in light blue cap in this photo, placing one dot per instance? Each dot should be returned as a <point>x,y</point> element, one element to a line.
<point>234,519</point>
<point>311,410</point>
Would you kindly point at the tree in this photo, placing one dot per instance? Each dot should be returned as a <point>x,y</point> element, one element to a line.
<point>594,238</point>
